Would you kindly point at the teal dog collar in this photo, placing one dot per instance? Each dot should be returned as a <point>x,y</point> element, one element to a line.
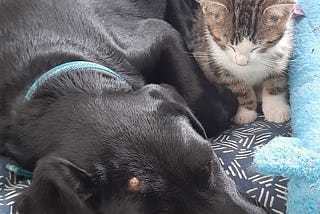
<point>66,68</point>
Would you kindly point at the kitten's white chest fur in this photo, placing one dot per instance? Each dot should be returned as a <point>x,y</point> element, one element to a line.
<point>246,63</point>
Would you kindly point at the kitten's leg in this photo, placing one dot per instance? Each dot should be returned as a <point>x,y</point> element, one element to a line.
<point>274,100</point>
<point>247,103</point>
<point>245,94</point>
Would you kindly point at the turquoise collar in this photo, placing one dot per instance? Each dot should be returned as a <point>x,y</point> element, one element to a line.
<point>66,68</point>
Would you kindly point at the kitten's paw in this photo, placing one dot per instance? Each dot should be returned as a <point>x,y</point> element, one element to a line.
<point>245,116</point>
<point>275,110</point>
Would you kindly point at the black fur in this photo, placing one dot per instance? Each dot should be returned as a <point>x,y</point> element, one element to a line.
<point>86,135</point>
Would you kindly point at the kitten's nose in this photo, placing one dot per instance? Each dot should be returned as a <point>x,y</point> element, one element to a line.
<point>242,60</point>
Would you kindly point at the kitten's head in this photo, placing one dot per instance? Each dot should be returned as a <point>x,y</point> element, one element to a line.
<point>246,29</point>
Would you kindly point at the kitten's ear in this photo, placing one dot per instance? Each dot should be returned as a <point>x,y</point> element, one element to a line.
<point>280,10</point>
<point>213,6</point>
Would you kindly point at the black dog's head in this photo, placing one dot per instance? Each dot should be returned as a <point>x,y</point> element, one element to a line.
<point>133,152</point>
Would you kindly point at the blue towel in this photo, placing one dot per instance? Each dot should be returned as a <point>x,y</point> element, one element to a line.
<point>298,157</point>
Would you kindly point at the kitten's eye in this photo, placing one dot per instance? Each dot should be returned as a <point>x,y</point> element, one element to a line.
<point>254,49</point>
<point>274,19</point>
<point>229,46</point>
<point>214,15</point>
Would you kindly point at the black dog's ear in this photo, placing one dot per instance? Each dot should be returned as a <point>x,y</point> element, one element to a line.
<point>75,177</point>
<point>58,186</point>
<point>182,109</point>
<point>194,121</point>
<point>173,102</point>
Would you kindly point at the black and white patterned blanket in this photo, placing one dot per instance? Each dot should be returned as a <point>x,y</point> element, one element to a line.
<point>235,149</point>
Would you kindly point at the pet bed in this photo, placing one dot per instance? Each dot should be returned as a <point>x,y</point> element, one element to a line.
<point>236,148</point>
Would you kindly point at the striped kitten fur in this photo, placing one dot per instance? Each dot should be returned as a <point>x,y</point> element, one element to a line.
<point>245,45</point>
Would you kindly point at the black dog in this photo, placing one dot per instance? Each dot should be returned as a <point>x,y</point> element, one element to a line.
<point>98,143</point>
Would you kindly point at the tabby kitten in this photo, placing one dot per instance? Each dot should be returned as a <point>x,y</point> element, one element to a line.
<point>245,45</point>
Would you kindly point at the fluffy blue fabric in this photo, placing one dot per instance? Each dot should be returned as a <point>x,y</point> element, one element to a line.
<point>299,157</point>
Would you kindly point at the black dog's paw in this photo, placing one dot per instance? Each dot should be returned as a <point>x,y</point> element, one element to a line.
<point>215,113</point>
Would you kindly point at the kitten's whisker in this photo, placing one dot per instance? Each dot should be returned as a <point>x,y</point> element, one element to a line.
<point>205,63</point>
<point>271,66</point>
<point>197,54</point>
<point>203,56</point>
<point>201,53</point>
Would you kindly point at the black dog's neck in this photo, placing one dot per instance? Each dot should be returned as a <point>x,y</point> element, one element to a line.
<point>69,90</point>
<point>85,81</point>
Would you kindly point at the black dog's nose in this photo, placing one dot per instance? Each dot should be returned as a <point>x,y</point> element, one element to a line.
<point>240,205</point>
<point>252,209</point>
<point>229,200</point>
